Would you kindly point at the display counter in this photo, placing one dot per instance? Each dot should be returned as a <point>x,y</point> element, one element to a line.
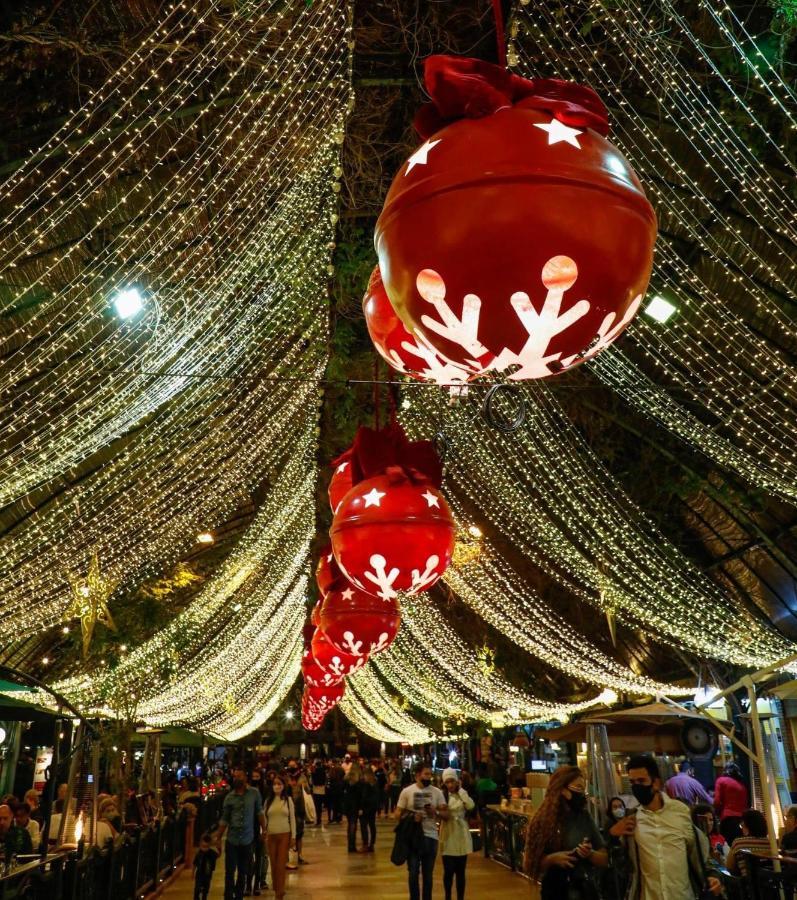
<point>505,833</point>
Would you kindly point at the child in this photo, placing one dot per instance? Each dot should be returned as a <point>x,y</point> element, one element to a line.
<point>204,864</point>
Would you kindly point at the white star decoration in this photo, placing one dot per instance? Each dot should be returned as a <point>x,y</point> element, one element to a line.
<point>558,132</point>
<point>431,500</point>
<point>373,498</point>
<point>341,468</point>
<point>421,156</point>
<point>347,594</point>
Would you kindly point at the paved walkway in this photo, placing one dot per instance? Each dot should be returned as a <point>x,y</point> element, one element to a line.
<point>334,874</point>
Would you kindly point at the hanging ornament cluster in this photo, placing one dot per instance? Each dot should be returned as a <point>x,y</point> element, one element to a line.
<point>516,239</point>
<point>392,531</point>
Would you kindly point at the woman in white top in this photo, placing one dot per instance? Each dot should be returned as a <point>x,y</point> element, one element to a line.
<point>280,831</point>
<point>455,839</point>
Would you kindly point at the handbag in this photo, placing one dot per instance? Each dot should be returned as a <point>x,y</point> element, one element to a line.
<point>293,859</point>
<point>309,807</point>
<point>478,841</point>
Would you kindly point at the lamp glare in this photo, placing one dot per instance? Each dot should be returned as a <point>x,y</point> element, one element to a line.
<point>660,309</point>
<point>128,302</point>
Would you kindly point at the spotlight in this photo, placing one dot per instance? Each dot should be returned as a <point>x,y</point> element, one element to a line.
<point>205,538</point>
<point>660,309</point>
<point>288,714</point>
<point>474,531</point>
<point>128,302</point>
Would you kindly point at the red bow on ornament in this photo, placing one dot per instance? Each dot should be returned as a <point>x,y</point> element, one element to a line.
<point>466,88</point>
<point>374,452</point>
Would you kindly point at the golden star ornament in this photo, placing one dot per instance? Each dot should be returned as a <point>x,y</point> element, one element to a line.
<point>90,597</point>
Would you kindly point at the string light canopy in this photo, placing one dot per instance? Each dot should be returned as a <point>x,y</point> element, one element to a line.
<point>176,234</point>
<point>731,360</point>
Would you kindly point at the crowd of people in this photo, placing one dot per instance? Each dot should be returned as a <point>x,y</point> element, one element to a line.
<point>269,806</point>
<point>665,840</point>
<point>669,840</point>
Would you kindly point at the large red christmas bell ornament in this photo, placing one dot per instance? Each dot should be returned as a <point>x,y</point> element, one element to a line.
<point>393,534</point>
<point>334,662</point>
<point>517,237</point>
<point>358,623</point>
<point>327,572</point>
<point>397,346</point>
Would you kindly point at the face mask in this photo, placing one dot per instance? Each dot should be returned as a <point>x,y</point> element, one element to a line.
<point>644,793</point>
<point>426,781</point>
<point>577,801</point>
<point>618,812</point>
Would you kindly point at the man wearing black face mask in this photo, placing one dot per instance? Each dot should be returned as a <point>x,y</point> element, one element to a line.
<point>427,804</point>
<point>669,858</point>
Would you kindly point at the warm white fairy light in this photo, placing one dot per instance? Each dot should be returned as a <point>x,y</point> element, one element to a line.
<point>239,327</point>
<point>745,384</point>
<point>544,490</point>
<point>245,227</point>
<point>369,707</point>
<point>433,668</point>
<point>236,682</point>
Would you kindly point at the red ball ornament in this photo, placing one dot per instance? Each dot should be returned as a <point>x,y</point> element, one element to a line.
<point>391,534</point>
<point>333,662</point>
<point>397,346</point>
<point>327,572</point>
<point>314,675</point>
<point>358,623</point>
<point>340,483</point>
<point>521,241</point>
<point>324,699</point>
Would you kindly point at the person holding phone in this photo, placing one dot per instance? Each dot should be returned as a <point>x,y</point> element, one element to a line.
<point>564,848</point>
<point>427,804</point>
<point>668,857</point>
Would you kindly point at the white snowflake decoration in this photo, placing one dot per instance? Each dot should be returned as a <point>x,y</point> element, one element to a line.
<point>383,579</point>
<point>559,274</point>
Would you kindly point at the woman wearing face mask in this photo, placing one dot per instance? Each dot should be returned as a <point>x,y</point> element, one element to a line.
<point>455,838</point>
<point>564,848</point>
<point>280,832</point>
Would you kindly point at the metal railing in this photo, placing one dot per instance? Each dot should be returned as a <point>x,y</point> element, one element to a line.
<point>131,868</point>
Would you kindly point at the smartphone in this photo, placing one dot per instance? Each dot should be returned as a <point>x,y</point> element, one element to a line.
<point>632,812</point>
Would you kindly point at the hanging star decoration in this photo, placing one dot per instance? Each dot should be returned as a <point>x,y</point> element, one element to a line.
<point>90,601</point>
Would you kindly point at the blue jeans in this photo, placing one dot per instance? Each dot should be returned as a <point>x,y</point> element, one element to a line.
<point>422,863</point>
<point>236,860</point>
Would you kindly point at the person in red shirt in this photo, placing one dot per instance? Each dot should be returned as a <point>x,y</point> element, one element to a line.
<point>731,799</point>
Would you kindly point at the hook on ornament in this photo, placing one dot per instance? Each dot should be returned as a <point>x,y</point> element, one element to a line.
<point>495,412</point>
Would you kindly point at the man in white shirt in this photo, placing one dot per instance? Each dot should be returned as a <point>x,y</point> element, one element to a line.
<point>427,803</point>
<point>669,859</point>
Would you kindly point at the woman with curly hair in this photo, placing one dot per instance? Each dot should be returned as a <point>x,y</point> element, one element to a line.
<point>563,845</point>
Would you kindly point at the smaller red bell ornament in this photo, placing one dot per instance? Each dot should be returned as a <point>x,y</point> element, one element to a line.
<point>393,534</point>
<point>517,238</point>
<point>324,699</point>
<point>314,675</point>
<point>333,662</point>
<point>358,623</point>
<point>400,350</point>
<point>327,572</point>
